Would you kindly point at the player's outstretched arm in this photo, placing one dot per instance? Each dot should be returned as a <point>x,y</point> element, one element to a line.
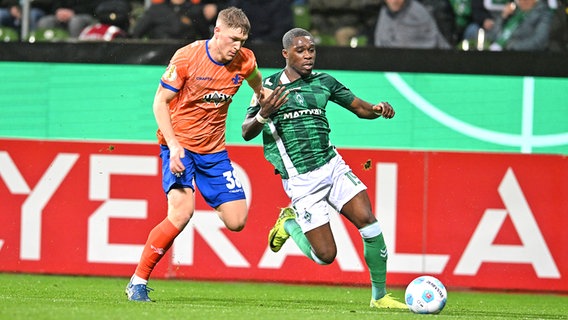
<point>366,110</point>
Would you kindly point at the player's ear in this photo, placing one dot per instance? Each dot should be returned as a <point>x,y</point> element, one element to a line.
<point>285,53</point>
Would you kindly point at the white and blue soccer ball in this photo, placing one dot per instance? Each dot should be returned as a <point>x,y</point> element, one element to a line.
<point>426,294</point>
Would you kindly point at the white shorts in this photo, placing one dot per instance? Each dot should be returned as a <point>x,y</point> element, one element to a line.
<point>312,193</point>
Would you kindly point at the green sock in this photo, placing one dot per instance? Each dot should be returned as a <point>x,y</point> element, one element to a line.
<point>294,230</point>
<point>375,252</point>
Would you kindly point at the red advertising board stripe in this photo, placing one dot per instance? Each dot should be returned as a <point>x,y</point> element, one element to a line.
<point>479,220</point>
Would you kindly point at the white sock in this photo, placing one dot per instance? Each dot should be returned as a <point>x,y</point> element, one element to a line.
<point>137,280</point>
<point>317,260</point>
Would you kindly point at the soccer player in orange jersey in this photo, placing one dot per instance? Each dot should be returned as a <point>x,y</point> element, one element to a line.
<point>190,107</point>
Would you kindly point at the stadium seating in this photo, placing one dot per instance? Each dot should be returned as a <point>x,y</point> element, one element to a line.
<point>48,35</point>
<point>8,34</point>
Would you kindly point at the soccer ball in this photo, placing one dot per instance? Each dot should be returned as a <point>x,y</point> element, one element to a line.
<point>426,294</point>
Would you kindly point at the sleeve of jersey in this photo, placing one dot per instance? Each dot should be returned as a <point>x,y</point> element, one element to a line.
<point>254,106</point>
<point>249,67</point>
<point>340,94</point>
<point>176,72</point>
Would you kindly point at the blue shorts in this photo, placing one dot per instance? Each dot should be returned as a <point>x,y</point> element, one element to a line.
<point>213,174</point>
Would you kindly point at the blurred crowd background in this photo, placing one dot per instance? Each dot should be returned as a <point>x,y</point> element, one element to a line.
<point>496,25</point>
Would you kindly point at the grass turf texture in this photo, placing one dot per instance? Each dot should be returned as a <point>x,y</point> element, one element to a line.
<point>25,296</point>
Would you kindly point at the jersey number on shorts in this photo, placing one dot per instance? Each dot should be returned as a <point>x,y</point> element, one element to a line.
<point>352,177</point>
<point>232,181</point>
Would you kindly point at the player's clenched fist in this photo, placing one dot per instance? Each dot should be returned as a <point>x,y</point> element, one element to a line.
<point>384,109</point>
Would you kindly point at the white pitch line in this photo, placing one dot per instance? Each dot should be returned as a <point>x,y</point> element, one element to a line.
<point>515,140</point>
<point>528,113</point>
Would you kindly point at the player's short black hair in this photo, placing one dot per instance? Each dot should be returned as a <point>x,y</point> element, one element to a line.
<point>289,36</point>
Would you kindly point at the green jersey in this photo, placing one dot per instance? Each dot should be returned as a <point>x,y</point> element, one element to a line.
<point>296,140</point>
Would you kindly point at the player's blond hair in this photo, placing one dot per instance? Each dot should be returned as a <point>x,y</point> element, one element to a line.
<point>234,18</point>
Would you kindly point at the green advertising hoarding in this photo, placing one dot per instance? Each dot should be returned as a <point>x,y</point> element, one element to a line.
<point>450,112</point>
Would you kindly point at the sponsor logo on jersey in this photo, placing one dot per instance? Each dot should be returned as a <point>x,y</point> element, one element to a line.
<point>254,100</point>
<point>300,113</point>
<point>204,78</point>
<point>216,98</point>
<point>170,74</point>
<point>308,217</point>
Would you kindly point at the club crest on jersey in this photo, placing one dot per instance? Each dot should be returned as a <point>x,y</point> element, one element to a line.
<point>236,79</point>
<point>216,98</point>
<point>170,74</point>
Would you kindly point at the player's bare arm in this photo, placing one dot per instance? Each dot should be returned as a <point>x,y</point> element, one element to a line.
<point>366,110</point>
<point>162,114</point>
<point>255,81</point>
<point>270,101</point>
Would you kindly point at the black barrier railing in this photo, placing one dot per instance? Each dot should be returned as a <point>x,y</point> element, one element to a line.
<point>546,64</point>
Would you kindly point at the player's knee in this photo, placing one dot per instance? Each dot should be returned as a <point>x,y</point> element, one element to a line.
<point>364,220</point>
<point>180,207</point>
<point>324,257</point>
<point>235,228</point>
<point>236,225</point>
<point>180,218</point>
<point>233,214</point>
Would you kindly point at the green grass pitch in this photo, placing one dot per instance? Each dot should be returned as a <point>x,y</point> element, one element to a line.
<point>24,296</point>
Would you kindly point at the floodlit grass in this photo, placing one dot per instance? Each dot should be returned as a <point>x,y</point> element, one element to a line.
<point>68,297</point>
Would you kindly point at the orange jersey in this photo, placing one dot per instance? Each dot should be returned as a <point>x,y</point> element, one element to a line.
<point>204,91</point>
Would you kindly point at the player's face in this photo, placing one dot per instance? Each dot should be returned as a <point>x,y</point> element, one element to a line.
<point>229,42</point>
<point>301,56</point>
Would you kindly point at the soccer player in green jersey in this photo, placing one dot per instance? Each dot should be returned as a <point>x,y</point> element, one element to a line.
<point>314,175</point>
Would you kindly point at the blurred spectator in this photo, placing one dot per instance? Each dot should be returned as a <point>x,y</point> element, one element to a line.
<point>11,13</point>
<point>342,20</point>
<point>270,19</point>
<point>113,18</point>
<point>407,24</point>
<point>559,27</point>
<point>70,15</point>
<point>172,19</point>
<point>523,25</point>
<point>483,15</point>
<point>443,13</point>
<point>210,11</point>
<point>178,19</point>
<point>462,16</point>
